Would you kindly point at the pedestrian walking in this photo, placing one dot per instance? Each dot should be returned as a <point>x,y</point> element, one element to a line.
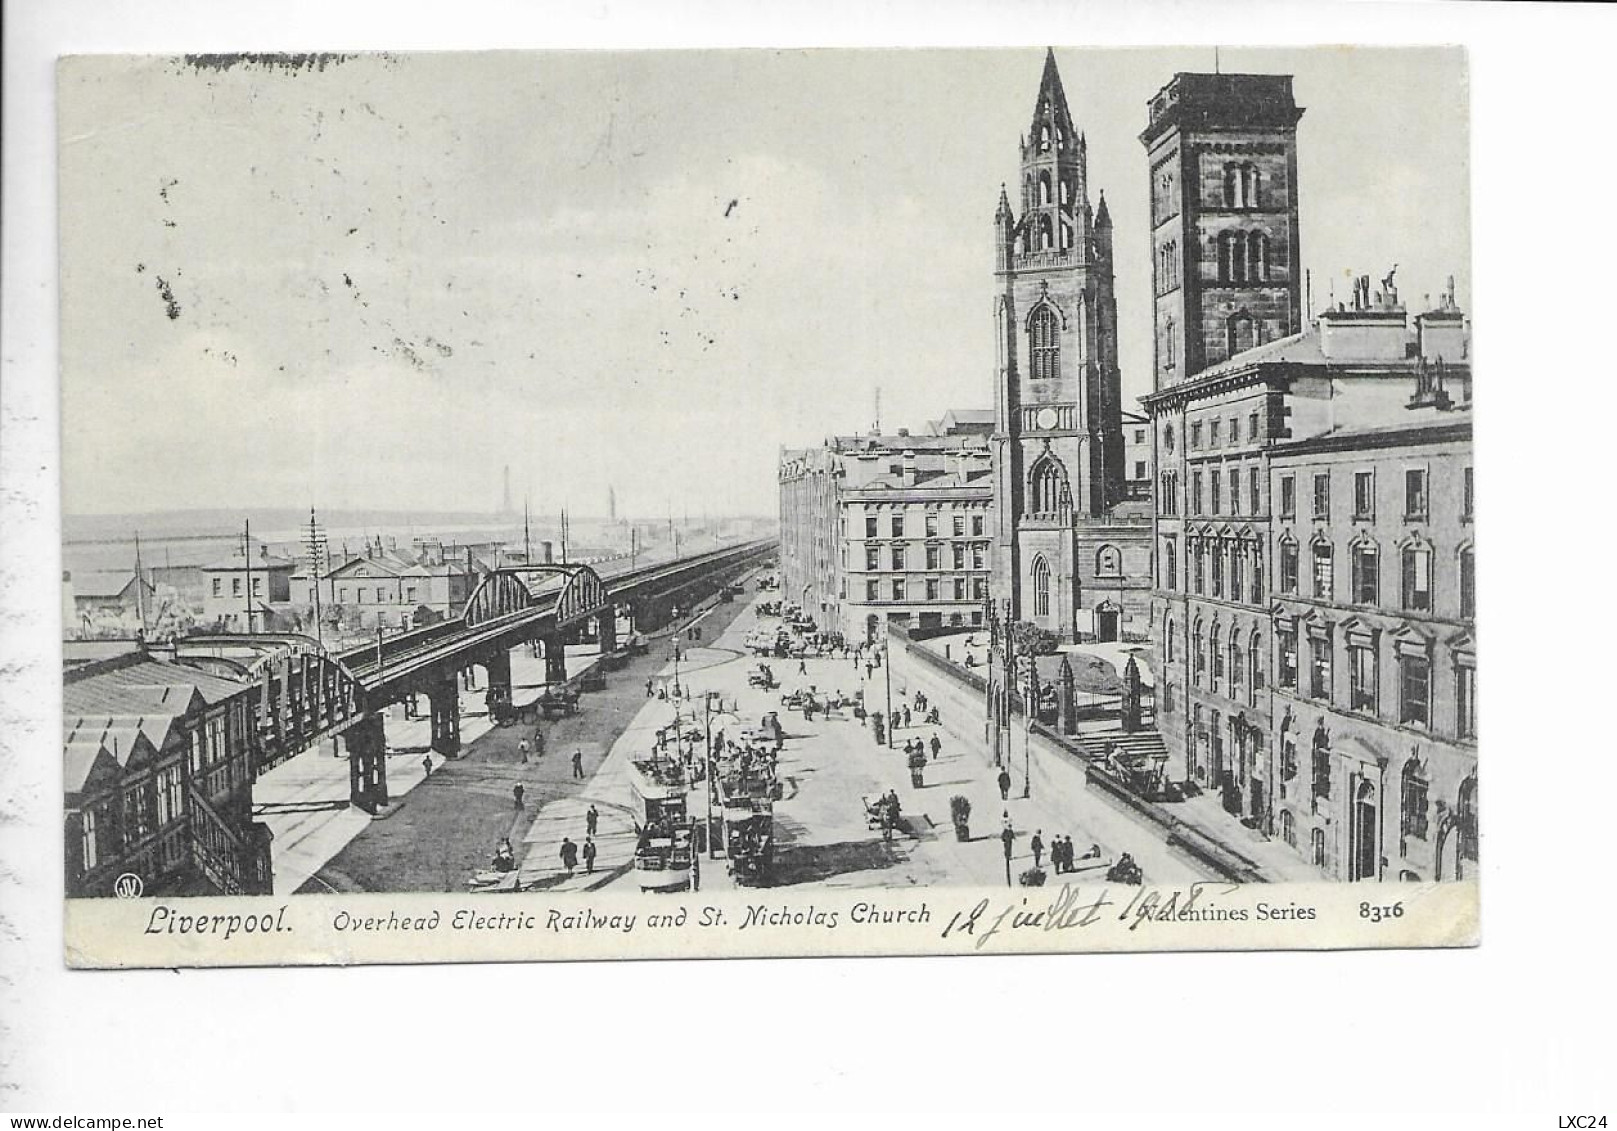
<point>591,819</point>
<point>516,794</point>
<point>802,667</point>
<point>906,717</point>
<point>522,749</point>
<point>1005,823</point>
<point>937,745</point>
<point>578,763</point>
<point>589,855</point>
<point>867,671</point>
<point>426,765</point>
<point>1037,845</point>
<point>1066,853</point>
<point>648,689</point>
<point>569,854</point>
<point>1004,785</point>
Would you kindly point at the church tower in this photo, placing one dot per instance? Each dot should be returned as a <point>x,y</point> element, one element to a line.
<point>1058,438</point>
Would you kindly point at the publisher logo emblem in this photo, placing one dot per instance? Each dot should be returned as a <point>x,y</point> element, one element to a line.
<point>128,886</point>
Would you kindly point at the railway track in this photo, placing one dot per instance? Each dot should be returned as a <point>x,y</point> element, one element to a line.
<point>412,653</point>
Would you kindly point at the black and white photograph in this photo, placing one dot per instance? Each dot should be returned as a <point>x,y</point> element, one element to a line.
<point>910,560</point>
<point>608,475</point>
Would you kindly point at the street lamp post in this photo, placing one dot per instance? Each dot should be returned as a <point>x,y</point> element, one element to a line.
<point>887,666</point>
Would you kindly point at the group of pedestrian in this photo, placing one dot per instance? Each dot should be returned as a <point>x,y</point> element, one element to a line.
<point>570,852</point>
<point>1063,854</point>
<point>919,746</point>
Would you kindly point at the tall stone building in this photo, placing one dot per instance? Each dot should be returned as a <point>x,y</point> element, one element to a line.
<point>1070,556</point>
<point>1222,151</point>
<point>894,528</point>
<point>1314,593</point>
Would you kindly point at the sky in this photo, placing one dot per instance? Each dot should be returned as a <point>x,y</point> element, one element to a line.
<point>379,280</point>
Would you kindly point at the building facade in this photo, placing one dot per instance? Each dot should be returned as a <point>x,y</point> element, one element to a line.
<point>1375,685</point>
<point>236,588</point>
<point>1313,491</point>
<point>889,528</point>
<point>1071,555</point>
<point>157,776</point>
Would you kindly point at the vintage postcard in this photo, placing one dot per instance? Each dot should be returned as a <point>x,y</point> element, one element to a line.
<point>598,504</point>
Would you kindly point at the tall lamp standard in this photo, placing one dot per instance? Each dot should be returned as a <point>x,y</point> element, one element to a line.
<point>1029,705</point>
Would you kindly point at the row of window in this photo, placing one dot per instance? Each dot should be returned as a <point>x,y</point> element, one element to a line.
<point>1416,592</point>
<point>236,587</point>
<point>1414,682</point>
<point>930,524</point>
<point>1208,493</point>
<point>1231,666</point>
<point>1417,495</point>
<point>1212,432</point>
<point>1243,257</point>
<point>899,556</point>
<point>1223,567</point>
<point>1214,497</point>
<point>383,596</point>
<point>933,587</point>
<point>1241,183</point>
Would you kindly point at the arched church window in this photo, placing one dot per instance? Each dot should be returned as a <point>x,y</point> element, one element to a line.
<point>1041,587</point>
<point>1044,343</point>
<point>1066,235</point>
<point>1047,236</point>
<point>1108,562</point>
<point>1066,190</point>
<point>1044,187</point>
<point>1048,485</point>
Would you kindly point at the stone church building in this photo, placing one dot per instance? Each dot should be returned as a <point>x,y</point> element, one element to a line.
<point>1072,554</point>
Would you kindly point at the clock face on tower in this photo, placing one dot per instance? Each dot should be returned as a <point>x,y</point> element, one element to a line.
<point>1046,419</point>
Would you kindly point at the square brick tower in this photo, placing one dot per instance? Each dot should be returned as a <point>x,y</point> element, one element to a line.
<point>1226,270</point>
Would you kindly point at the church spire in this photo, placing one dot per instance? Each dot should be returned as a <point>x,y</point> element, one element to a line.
<point>1052,122</point>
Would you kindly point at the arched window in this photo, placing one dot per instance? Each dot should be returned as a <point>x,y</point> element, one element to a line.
<point>1167,438</point>
<point>1066,235</point>
<point>1047,237</point>
<point>1316,840</point>
<point>1044,187</point>
<point>1041,587</point>
<point>1254,654</point>
<point>1168,642</point>
<point>1234,187</point>
<point>1417,577</point>
<point>1215,645</point>
<point>1108,561</point>
<point>1044,343</point>
<point>1237,664</point>
<point>1066,190</point>
<point>1414,797</point>
<point>1257,257</point>
<point>1241,332</point>
<point>1241,186</point>
<point>1288,828</point>
<point>1321,764</point>
<point>1048,484</point>
<point>1465,814</point>
<point>1197,652</point>
<point>1232,258</point>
